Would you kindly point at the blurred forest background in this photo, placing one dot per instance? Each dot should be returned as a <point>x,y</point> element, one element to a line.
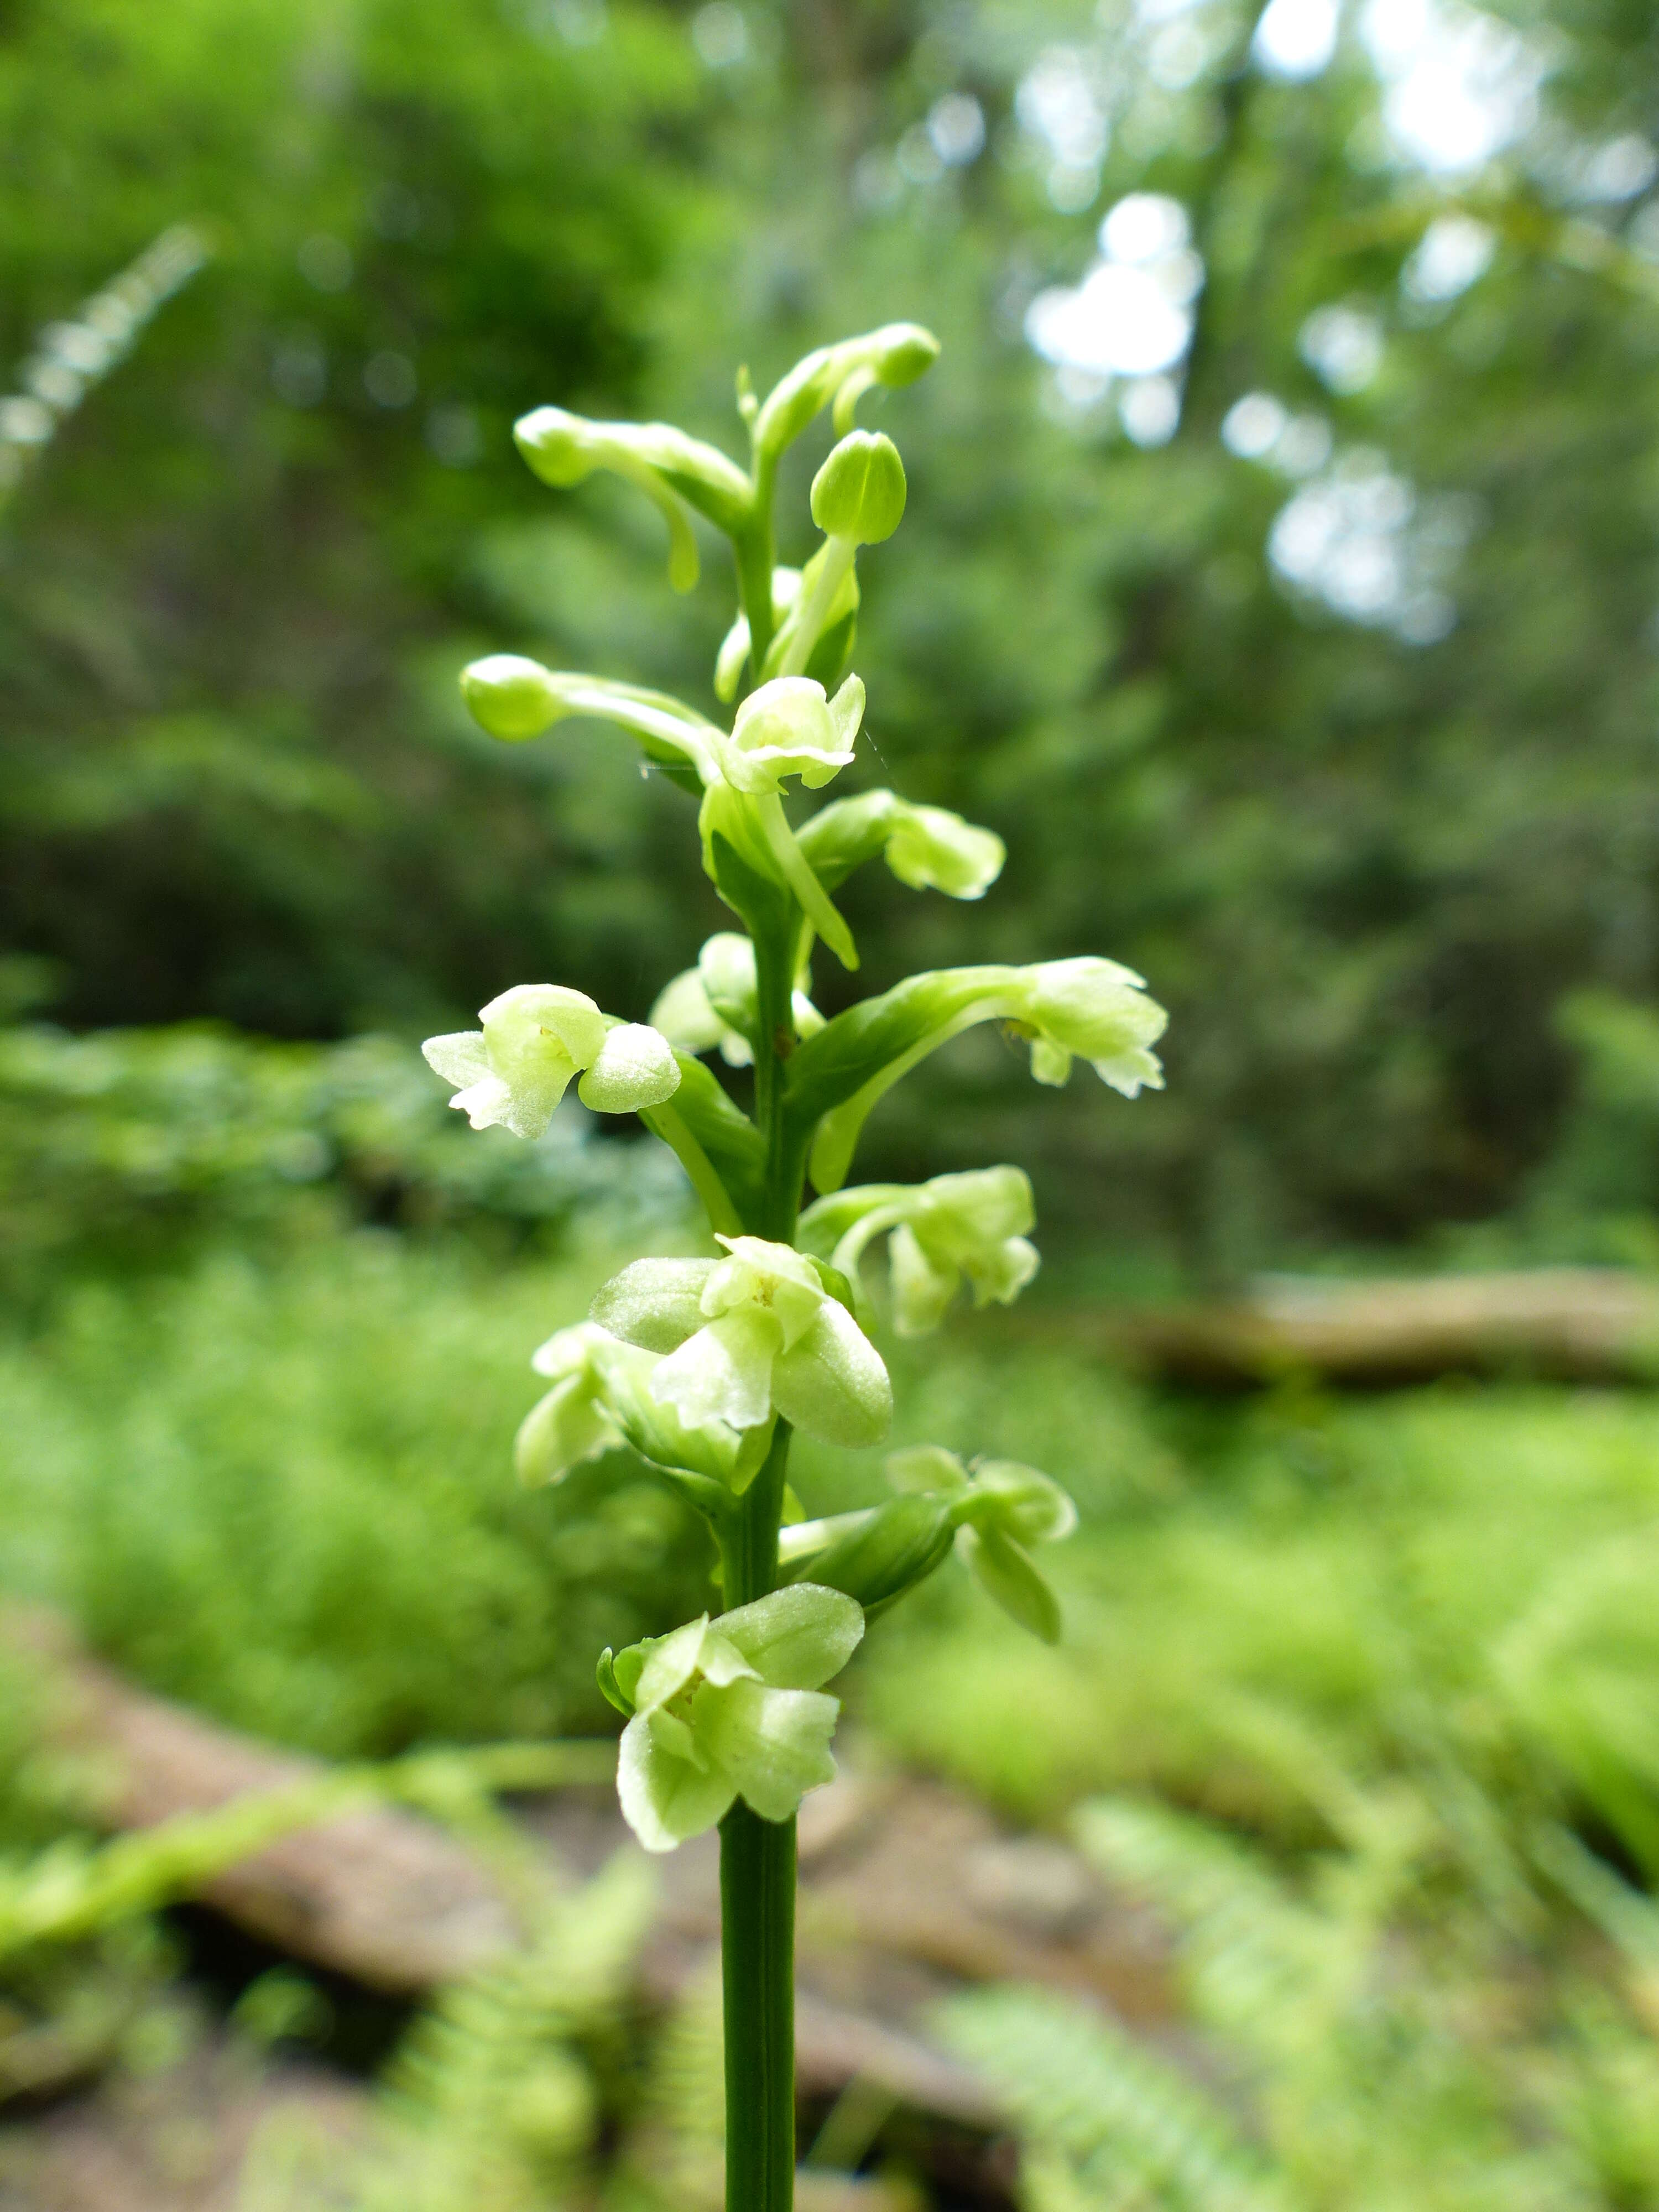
<point>1281,578</point>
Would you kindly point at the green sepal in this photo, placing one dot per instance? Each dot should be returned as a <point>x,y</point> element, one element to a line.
<point>604,1673</point>
<point>839,1286</point>
<point>1004,1572</point>
<point>627,1668</point>
<point>881,1554</point>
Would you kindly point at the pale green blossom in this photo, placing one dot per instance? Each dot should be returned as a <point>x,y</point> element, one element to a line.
<point>732,1707</point>
<point>749,1336</point>
<point>969,1226</point>
<point>535,1038</point>
<point>716,1003</point>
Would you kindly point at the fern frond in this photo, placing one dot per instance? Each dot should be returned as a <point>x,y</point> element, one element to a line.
<point>1253,1955</point>
<point>1104,2123</point>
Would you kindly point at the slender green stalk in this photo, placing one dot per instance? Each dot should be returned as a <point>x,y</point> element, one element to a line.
<point>757,1856</point>
<point>757,1913</point>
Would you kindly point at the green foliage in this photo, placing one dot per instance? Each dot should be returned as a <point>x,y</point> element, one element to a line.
<point>1103,2122</point>
<point>1450,1580</point>
<point>133,1145</point>
<point>1366,2012</point>
<point>235,597</point>
<point>300,1521</point>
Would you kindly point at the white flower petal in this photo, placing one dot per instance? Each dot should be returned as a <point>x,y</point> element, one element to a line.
<point>460,1058</point>
<point>1131,1072</point>
<point>487,1104</point>
<point>931,849</point>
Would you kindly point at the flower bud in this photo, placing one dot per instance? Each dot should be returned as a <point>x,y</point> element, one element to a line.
<point>901,352</point>
<point>858,492</point>
<point>510,697</point>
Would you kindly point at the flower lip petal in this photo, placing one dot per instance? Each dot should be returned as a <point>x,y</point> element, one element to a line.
<point>773,1744</point>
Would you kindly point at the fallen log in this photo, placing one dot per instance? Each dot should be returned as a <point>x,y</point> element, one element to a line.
<point>389,1900</point>
<point>373,1892</point>
<point>1568,1324</point>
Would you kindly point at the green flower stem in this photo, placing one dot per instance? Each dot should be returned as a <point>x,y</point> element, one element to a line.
<point>758,1912</point>
<point>757,1856</point>
<point>757,1908</point>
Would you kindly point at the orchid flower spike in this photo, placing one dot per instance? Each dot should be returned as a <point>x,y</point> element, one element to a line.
<point>535,1038</point>
<point>749,1336</point>
<point>971,1225</point>
<point>730,1708</point>
<point>716,1003</point>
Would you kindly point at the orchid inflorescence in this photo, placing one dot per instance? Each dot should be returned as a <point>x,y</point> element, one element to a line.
<point>705,1366</point>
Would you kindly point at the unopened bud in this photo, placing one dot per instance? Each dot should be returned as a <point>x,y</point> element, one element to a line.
<point>902,352</point>
<point>858,492</point>
<point>510,697</point>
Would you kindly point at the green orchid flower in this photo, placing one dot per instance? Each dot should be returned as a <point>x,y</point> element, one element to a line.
<point>1087,1007</point>
<point>969,1226</point>
<point>715,1004</point>
<point>992,1512</point>
<point>535,1038</point>
<point>730,1708</point>
<point>748,1337</point>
